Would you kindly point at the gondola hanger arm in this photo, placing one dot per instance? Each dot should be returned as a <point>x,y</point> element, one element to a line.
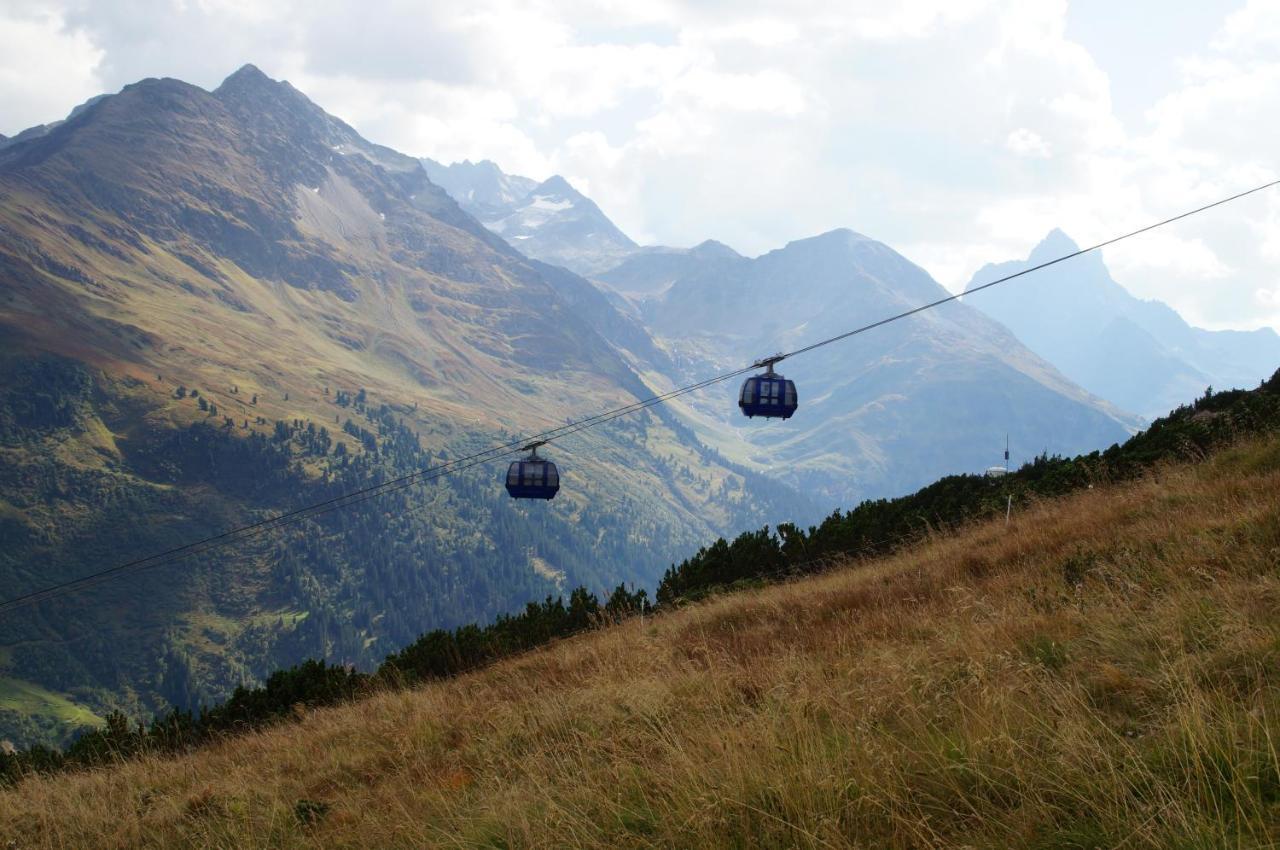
<point>767,363</point>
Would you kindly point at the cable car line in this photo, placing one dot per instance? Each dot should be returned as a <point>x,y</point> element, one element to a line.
<point>431,473</point>
<point>162,559</point>
<point>426,475</point>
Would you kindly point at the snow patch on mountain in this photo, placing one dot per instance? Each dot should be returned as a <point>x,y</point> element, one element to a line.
<point>549,221</point>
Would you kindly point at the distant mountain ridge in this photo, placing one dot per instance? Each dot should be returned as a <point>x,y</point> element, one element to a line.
<point>549,221</point>
<point>1140,355</point>
<point>42,129</point>
<point>878,416</point>
<point>479,187</point>
<point>880,413</point>
<point>651,271</point>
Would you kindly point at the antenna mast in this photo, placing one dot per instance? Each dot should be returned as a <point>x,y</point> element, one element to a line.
<point>1008,505</point>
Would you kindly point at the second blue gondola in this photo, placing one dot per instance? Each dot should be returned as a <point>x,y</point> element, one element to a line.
<point>533,477</point>
<point>769,395</point>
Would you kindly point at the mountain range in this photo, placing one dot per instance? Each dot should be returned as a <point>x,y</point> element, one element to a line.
<point>880,414</point>
<point>222,305</point>
<point>1076,316</point>
<point>1073,315</point>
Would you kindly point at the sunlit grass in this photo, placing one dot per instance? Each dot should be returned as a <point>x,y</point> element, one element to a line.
<point>28,698</point>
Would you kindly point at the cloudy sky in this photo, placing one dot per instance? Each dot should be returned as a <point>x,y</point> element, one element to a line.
<point>958,131</point>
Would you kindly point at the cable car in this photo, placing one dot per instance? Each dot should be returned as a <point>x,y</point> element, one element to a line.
<point>533,477</point>
<point>769,395</point>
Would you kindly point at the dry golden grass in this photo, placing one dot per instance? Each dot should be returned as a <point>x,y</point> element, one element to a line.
<point>1103,673</point>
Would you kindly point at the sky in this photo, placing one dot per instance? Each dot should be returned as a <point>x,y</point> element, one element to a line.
<point>959,132</point>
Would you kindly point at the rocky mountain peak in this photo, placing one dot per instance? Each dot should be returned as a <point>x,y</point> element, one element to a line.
<point>556,185</point>
<point>1056,244</point>
<point>249,83</point>
<point>711,249</point>
<point>1078,317</point>
<point>841,238</point>
<point>484,166</point>
<point>275,107</point>
<point>548,220</point>
<point>247,75</point>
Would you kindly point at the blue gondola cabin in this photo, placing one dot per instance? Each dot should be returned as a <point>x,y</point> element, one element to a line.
<point>533,478</point>
<point>768,395</point>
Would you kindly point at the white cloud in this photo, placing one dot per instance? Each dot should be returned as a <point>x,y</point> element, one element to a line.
<point>765,32</point>
<point>45,68</point>
<point>1168,252</point>
<point>1024,142</point>
<point>1255,27</point>
<point>959,132</point>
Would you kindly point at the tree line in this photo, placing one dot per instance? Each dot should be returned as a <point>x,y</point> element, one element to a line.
<point>438,654</point>
<point>876,527</point>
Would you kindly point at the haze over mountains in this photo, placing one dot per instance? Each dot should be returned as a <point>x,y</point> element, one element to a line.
<point>884,412</point>
<point>1139,354</point>
<point>221,305</point>
<point>1074,315</point>
<point>880,414</point>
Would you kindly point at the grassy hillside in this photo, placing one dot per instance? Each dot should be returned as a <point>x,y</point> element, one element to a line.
<point>1101,672</point>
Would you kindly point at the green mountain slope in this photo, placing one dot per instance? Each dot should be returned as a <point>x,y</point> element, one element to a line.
<point>220,305</point>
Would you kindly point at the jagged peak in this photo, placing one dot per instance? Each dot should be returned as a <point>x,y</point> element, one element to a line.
<point>712,248</point>
<point>1056,244</point>
<point>839,237</point>
<point>250,83</point>
<point>260,100</point>
<point>556,185</point>
<point>247,74</point>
